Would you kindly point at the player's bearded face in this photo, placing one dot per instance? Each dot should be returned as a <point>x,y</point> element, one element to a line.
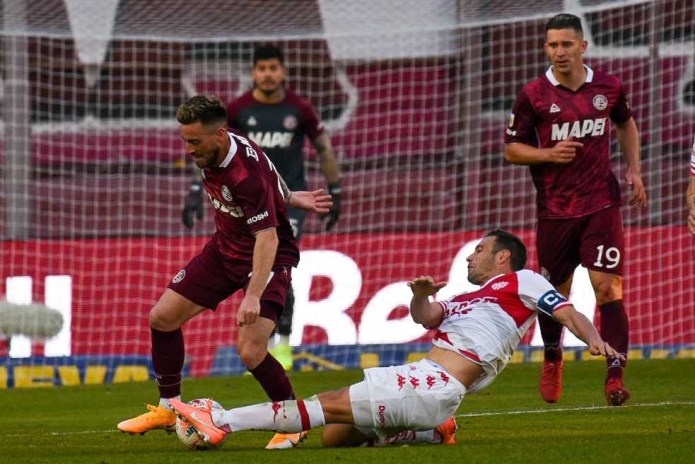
<point>481,263</point>
<point>268,75</point>
<point>565,48</point>
<point>203,144</point>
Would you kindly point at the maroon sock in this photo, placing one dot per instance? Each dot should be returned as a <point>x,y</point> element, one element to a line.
<point>615,330</point>
<point>273,378</point>
<point>167,361</point>
<point>551,331</point>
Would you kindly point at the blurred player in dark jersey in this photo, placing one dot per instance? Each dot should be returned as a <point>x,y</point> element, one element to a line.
<point>253,249</point>
<point>560,127</point>
<point>279,120</point>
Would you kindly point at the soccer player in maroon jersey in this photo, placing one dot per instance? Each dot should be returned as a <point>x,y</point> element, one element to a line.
<point>477,332</point>
<point>560,128</point>
<point>690,193</point>
<point>279,120</point>
<point>253,249</point>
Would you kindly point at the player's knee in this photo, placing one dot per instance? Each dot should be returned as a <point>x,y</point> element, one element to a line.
<point>608,290</point>
<point>160,321</point>
<point>251,354</point>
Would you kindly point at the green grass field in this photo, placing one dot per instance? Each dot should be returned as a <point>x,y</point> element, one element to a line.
<point>506,423</point>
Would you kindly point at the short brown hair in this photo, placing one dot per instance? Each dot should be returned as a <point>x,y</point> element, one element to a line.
<point>507,241</point>
<point>207,109</point>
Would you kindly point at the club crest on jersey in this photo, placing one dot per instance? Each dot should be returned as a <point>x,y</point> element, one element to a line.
<point>600,102</point>
<point>499,285</point>
<point>226,194</point>
<point>290,122</point>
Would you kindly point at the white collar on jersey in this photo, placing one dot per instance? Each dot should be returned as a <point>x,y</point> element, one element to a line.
<point>551,77</point>
<point>230,153</point>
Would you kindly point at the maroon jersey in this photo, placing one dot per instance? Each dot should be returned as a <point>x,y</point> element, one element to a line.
<point>545,113</point>
<point>280,129</point>
<point>247,198</point>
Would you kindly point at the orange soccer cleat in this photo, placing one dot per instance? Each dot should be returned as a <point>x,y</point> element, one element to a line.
<point>286,440</point>
<point>157,417</point>
<point>201,419</point>
<point>447,430</point>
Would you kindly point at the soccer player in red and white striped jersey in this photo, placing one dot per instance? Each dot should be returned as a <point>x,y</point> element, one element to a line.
<point>476,336</point>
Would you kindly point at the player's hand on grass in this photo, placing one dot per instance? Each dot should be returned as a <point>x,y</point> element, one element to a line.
<point>193,205</point>
<point>425,286</point>
<point>639,193</point>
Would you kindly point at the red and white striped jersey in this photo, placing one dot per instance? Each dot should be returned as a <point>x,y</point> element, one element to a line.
<point>485,325</point>
<point>692,160</point>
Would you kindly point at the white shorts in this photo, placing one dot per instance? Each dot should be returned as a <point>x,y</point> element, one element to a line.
<point>415,396</point>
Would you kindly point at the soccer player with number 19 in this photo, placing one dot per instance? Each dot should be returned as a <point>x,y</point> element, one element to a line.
<point>560,128</point>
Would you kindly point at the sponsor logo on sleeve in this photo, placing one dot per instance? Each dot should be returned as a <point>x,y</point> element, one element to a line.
<point>179,277</point>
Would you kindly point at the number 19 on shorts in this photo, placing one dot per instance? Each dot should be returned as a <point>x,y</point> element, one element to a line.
<point>609,259</point>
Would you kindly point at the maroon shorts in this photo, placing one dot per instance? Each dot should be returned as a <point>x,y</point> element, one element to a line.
<point>210,278</point>
<point>595,241</point>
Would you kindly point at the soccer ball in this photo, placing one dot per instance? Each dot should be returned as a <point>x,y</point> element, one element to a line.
<point>188,434</point>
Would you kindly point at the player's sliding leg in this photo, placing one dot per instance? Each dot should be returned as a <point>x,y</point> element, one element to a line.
<point>346,435</point>
<point>290,417</point>
<point>252,347</point>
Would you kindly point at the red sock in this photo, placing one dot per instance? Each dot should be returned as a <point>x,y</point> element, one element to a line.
<point>615,330</point>
<point>551,332</point>
<point>273,378</point>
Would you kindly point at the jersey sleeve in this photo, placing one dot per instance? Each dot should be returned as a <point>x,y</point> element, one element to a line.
<point>233,115</point>
<point>539,294</point>
<point>522,127</point>
<point>311,124</point>
<point>621,112</point>
<point>692,160</point>
<point>256,199</point>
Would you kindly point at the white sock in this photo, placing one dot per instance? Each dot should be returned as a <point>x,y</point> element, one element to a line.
<point>410,436</point>
<point>164,402</point>
<point>290,416</point>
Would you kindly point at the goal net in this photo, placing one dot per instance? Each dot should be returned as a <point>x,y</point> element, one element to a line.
<point>415,95</point>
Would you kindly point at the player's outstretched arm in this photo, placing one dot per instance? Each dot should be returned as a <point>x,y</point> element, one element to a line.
<point>422,310</point>
<point>314,201</point>
<point>582,327</point>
